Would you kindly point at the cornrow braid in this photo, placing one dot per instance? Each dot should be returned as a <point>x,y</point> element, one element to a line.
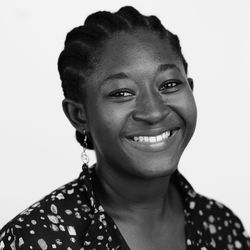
<point>84,44</point>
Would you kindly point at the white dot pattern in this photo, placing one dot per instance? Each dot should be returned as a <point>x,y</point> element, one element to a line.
<point>72,218</point>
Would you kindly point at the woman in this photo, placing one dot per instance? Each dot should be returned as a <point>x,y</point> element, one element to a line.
<point>129,98</point>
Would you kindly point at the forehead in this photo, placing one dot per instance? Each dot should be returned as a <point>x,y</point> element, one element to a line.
<point>134,51</point>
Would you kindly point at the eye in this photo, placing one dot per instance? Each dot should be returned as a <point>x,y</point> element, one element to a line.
<point>170,86</point>
<point>121,93</point>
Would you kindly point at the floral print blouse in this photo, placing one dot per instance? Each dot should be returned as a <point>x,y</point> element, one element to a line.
<point>72,218</point>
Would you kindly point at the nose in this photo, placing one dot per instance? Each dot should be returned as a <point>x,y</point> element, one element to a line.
<point>150,108</point>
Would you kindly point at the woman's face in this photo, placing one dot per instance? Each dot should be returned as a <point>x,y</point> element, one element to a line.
<point>139,105</point>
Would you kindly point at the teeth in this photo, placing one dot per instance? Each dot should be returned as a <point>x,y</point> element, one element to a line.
<point>140,138</point>
<point>136,138</point>
<point>159,138</point>
<point>167,134</point>
<point>153,139</point>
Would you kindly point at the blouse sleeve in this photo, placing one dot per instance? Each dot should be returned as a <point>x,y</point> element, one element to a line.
<point>239,234</point>
<point>233,232</point>
<point>9,239</point>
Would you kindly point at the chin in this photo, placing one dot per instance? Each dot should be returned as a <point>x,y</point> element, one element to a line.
<point>155,168</point>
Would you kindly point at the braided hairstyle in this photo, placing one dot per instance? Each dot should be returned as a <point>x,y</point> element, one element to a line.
<point>84,44</point>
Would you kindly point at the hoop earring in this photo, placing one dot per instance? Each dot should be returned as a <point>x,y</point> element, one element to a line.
<point>84,156</point>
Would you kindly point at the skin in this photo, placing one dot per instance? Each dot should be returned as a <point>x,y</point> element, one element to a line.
<point>138,88</point>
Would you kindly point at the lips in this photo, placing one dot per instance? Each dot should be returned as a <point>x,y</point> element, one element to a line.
<point>148,138</point>
<point>154,140</point>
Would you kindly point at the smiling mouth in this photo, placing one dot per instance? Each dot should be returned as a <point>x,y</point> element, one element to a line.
<point>150,140</point>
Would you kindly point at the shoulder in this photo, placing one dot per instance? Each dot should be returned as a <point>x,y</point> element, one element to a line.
<point>214,211</point>
<point>221,223</point>
<point>54,220</point>
<point>209,220</point>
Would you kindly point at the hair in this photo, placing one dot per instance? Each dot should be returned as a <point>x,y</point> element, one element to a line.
<point>84,44</point>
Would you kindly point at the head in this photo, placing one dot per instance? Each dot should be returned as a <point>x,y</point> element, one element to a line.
<point>125,82</point>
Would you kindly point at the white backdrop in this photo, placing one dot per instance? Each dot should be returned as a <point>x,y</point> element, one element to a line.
<point>38,149</point>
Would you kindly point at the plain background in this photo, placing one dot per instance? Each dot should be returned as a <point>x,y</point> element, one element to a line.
<point>38,149</point>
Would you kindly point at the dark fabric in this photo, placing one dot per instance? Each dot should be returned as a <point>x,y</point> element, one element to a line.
<point>72,218</point>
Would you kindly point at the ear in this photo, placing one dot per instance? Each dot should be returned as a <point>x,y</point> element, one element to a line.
<point>76,114</point>
<point>191,83</point>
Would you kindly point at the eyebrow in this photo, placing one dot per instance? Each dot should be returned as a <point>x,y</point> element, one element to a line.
<point>167,66</point>
<point>117,76</point>
<point>121,75</point>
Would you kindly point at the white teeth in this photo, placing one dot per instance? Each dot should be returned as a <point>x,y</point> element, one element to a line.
<point>159,138</point>
<point>167,133</point>
<point>141,139</point>
<point>152,139</point>
<point>136,138</point>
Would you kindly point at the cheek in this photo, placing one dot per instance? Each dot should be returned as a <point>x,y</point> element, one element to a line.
<point>185,106</point>
<point>106,122</point>
<point>189,109</point>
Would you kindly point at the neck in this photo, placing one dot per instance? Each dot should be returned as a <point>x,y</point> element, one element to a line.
<point>124,194</point>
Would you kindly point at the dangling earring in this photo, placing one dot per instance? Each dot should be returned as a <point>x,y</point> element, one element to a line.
<point>84,156</point>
